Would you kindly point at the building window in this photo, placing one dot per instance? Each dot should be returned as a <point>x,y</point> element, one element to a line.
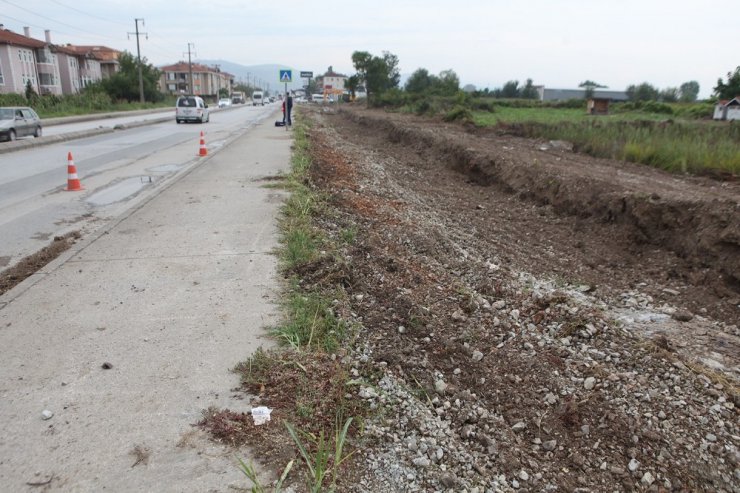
<point>2,80</point>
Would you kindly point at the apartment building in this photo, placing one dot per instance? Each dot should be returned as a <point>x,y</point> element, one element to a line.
<point>331,82</point>
<point>51,69</point>
<point>24,59</point>
<point>207,81</point>
<point>80,66</point>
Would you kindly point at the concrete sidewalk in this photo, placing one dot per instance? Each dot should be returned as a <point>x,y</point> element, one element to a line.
<point>173,295</point>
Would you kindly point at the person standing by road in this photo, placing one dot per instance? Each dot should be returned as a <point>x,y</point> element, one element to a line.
<point>289,108</point>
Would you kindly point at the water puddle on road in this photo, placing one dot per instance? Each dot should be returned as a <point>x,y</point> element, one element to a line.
<point>119,190</point>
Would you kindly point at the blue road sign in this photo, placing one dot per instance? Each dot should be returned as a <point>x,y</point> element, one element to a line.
<point>286,76</point>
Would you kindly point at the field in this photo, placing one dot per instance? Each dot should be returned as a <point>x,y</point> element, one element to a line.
<point>675,137</point>
<point>674,145</point>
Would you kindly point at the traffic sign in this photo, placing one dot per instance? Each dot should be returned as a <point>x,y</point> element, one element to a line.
<point>306,75</point>
<point>286,76</point>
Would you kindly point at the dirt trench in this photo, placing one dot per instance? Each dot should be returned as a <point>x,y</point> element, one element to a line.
<point>556,344</point>
<point>696,218</point>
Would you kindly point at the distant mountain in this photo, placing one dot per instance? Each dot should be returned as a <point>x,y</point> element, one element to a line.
<point>267,76</point>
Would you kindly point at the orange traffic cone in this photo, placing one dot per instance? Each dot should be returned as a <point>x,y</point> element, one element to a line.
<point>73,182</point>
<point>203,150</point>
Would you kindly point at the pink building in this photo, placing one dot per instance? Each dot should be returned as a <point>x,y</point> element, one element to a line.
<point>50,69</point>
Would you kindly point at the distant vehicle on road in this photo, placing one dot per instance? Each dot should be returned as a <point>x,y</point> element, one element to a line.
<point>224,102</point>
<point>317,98</point>
<point>19,121</point>
<point>238,98</point>
<point>258,97</point>
<point>191,109</point>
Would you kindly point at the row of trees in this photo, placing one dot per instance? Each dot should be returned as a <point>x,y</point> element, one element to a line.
<point>380,73</point>
<point>686,93</point>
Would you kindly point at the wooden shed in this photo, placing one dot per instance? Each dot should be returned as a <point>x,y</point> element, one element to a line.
<point>598,106</point>
<point>727,110</point>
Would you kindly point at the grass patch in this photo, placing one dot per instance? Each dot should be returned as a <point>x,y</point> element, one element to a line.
<point>310,322</point>
<point>304,382</point>
<point>52,106</point>
<point>678,146</point>
<point>317,455</point>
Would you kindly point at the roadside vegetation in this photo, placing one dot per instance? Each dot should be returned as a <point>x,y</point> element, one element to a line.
<point>303,380</point>
<point>119,92</point>
<point>52,106</point>
<point>666,128</point>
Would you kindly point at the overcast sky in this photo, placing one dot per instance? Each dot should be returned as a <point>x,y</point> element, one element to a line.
<point>557,43</point>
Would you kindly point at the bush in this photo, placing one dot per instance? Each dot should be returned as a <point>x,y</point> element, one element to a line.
<point>458,113</point>
<point>655,107</point>
<point>13,100</point>
<point>390,99</point>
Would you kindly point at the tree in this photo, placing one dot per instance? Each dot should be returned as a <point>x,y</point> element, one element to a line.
<point>730,89</point>
<point>449,82</point>
<point>30,92</point>
<point>352,84</point>
<point>529,91</point>
<point>510,89</point>
<point>689,91</point>
<point>223,93</point>
<point>379,74</point>
<point>590,86</point>
<point>669,95</point>
<point>124,84</point>
<point>419,82</point>
<point>642,92</point>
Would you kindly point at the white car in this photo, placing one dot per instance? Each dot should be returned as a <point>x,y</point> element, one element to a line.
<point>191,109</point>
<point>224,102</point>
<point>258,97</point>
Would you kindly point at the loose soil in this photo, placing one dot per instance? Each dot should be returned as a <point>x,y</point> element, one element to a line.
<point>529,318</point>
<point>29,265</point>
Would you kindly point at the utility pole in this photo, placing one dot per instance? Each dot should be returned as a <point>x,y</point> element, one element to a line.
<point>190,68</point>
<point>218,82</point>
<point>138,55</point>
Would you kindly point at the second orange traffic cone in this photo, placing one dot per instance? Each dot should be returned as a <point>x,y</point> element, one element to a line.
<point>203,150</point>
<point>73,181</point>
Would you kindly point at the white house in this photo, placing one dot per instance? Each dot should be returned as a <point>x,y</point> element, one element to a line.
<point>727,110</point>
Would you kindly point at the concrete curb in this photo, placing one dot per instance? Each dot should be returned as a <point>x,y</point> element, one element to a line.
<point>50,122</point>
<point>18,145</point>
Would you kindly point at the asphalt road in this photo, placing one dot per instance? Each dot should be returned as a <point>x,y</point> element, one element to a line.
<point>113,351</point>
<point>117,169</point>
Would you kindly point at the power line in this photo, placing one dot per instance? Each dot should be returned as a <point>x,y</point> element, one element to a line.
<point>53,20</point>
<point>31,24</point>
<point>88,14</point>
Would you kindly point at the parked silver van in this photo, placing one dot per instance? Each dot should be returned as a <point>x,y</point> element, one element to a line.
<point>191,109</point>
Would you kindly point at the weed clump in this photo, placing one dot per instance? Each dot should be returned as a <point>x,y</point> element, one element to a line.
<point>458,114</point>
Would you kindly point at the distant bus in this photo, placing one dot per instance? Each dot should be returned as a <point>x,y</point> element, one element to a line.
<point>238,98</point>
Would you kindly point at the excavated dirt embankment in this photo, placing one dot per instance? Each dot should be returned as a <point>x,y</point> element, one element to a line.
<point>523,321</point>
<point>697,218</point>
